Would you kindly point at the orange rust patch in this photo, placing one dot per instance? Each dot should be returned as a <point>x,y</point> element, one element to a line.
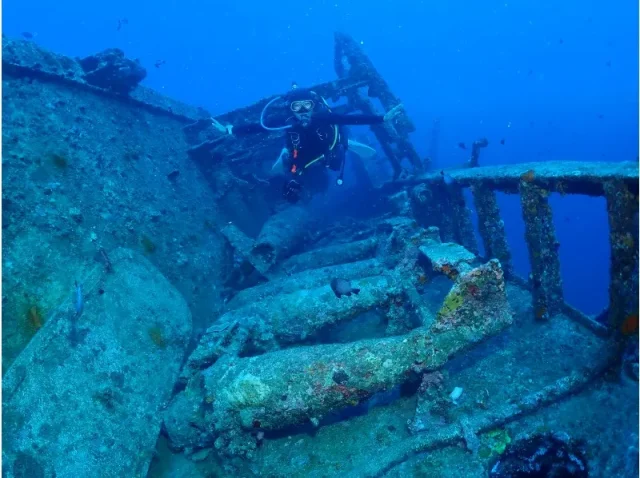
<point>528,176</point>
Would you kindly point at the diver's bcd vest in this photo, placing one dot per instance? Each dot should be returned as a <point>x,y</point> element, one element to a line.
<point>297,168</point>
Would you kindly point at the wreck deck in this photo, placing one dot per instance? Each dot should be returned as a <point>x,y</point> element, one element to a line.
<point>493,399</point>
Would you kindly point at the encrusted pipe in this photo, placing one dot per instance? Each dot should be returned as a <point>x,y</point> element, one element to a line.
<point>543,250</point>
<point>280,235</point>
<point>329,256</point>
<point>289,318</point>
<point>298,385</point>
<point>492,228</point>
<point>307,279</point>
<point>294,386</point>
<point>622,208</point>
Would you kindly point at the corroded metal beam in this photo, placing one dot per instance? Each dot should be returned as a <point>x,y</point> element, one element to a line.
<point>543,251</point>
<point>209,144</point>
<point>288,318</point>
<point>564,177</point>
<point>618,182</point>
<point>298,385</point>
<point>351,62</point>
<point>306,279</point>
<point>330,256</point>
<point>445,208</point>
<point>429,209</point>
<point>359,66</point>
<point>622,208</point>
<point>492,228</point>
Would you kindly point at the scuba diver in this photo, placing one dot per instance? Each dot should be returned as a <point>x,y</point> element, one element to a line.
<point>316,139</point>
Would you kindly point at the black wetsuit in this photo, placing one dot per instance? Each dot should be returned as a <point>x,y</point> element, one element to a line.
<point>321,144</point>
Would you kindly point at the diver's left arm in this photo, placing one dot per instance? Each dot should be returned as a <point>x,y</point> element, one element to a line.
<point>348,120</point>
<point>354,120</point>
<point>240,129</point>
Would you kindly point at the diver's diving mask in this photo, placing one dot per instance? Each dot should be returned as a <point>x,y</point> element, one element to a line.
<point>302,106</point>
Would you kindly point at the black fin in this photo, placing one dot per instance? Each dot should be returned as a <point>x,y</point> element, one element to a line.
<point>348,294</point>
<point>337,294</point>
<point>355,291</point>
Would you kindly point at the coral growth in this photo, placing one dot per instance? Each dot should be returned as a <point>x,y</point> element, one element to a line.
<point>528,176</point>
<point>33,320</point>
<point>59,161</point>
<point>496,441</point>
<point>157,337</point>
<point>452,302</point>
<point>148,245</point>
<point>112,71</point>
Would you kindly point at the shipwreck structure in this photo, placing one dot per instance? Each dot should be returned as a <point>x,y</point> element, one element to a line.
<point>208,340</point>
<point>359,87</point>
<point>617,182</point>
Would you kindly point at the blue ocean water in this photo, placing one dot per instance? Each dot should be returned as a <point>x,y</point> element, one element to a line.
<point>555,81</point>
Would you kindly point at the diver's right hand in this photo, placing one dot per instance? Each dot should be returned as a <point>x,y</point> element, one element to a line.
<point>393,113</point>
<point>220,127</point>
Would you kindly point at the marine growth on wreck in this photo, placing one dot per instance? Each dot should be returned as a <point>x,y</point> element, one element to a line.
<point>166,313</point>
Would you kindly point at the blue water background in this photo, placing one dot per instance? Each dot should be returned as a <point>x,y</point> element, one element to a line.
<point>557,80</point>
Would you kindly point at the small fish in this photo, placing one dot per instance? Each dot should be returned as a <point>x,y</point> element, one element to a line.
<point>78,301</point>
<point>159,63</point>
<point>462,146</point>
<point>122,21</point>
<point>35,319</point>
<point>561,41</point>
<point>608,63</point>
<point>502,142</point>
<point>448,180</point>
<point>342,287</point>
<point>28,35</point>
<point>630,325</point>
<point>106,260</point>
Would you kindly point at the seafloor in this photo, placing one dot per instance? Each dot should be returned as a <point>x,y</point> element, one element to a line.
<point>165,316</point>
